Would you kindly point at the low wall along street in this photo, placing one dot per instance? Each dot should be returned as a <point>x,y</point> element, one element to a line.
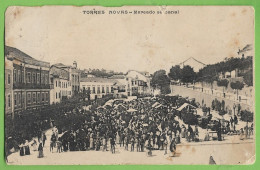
<point>200,96</point>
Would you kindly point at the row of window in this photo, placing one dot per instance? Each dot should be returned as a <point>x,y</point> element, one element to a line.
<point>62,93</point>
<point>38,78</point>
<point>62,84</point>
<point>99,90</point>
<point>75,78</point>
<point>138,82</point>
<point>31,98</point>
<point>75,88</point>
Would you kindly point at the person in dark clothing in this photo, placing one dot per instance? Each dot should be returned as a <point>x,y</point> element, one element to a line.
<point>27,148</point>
<point>122,139</point>
<point>53,142</point>
<point>142,144</point>
<point>112,143</point>
<point>173,146</point>
<point>65,145</point>
<point>21,147</point>
<point>132,144</point>
<point>190,130</point>
<point>231,121</point>
<point>43,139</point>
<point>40,149</point>
<point>235,119</point>
<point>149,147</point>
<point>219,131</point>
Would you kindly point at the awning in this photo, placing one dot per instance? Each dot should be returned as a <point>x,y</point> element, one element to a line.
<point>155,104</point>
<point>186,105</point>
<point>100,107</point>
<point>160,105</point>
<point>131,110</point>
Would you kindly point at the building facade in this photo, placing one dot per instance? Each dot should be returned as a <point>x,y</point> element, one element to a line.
<point>99,87</point>
<point>121,85</point>
<point>74,76</point>
<point>9,87</point>
<point>60,85</point>
<point>138,83</point>
<point>31,87</point>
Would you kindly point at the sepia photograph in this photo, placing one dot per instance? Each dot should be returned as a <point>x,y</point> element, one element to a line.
<point>130,85</point>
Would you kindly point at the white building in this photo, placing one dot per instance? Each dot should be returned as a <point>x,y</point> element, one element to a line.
<point>138,83</point>
<point>60,84</point>
<point>74,76</point>
<point>98,87</point>
<point>121,84</point>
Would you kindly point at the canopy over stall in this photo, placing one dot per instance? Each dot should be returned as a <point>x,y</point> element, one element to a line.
<point>120,107</point>
<point>131,110</point>
<point>185,105</point>
<point>155,104</point>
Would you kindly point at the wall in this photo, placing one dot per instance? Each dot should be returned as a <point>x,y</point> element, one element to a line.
<point>207,97</point>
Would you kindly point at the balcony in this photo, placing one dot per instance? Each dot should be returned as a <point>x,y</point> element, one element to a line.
<point>31,86</point>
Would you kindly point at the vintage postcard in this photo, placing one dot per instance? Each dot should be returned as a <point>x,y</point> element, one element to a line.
<point>151,85</point>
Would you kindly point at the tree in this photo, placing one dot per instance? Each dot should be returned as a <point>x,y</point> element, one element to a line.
<point>175,73</point>
<point>160,80</point>
<point>248,77</point>
<point>237,86</point>
<point>247,116</point>
<point>210,73</point>
<point>223,83</point>
<point>187,74</point>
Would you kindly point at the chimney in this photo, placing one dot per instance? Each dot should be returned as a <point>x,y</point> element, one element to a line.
<point>75,64</point>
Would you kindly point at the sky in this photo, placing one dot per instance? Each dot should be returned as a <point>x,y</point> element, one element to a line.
<point>63,34</point>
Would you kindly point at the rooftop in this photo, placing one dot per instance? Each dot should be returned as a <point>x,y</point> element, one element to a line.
<point>25,58</point>
<point>61,65</point>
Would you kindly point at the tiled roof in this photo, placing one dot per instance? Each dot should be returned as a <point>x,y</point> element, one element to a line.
<point>19,55</point>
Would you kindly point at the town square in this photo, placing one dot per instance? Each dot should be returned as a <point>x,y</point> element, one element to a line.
<point>82,90</point>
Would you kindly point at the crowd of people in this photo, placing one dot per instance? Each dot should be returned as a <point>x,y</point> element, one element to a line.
<point>143,124</point>
<point>133,125</point>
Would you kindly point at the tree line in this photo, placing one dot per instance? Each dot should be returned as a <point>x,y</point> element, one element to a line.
<point>209,74</point>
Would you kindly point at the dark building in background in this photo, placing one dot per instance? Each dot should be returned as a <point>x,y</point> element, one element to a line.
<point>9,88</point>
<point>31,89</point>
